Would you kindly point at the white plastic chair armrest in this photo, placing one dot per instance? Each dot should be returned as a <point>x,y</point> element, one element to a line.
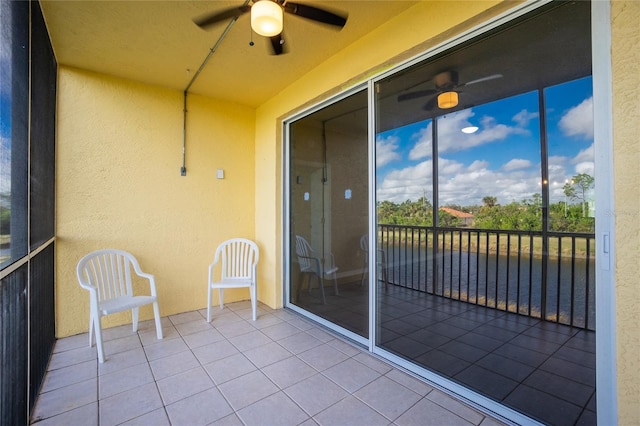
<point>317,262</point>
<point>211,269</point>
<point>151,278</point>
<point>333,261</point>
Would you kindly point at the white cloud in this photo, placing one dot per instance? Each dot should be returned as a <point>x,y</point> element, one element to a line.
<point>578,121</point>
<point>557,160</point>
<point>451,139</point>
<point>478,165</point>
<point>5,165</point>
<point>586,154</point>
<point>585,167</point>
<point>584,161</point>
<point>524,117</point>
<point>409,183</point>
<point>449,167</point>
<point>516,164</point>
<point>422,148</point>
<point>516,180</point>
<point>386,151</point>
<point>459,184</point>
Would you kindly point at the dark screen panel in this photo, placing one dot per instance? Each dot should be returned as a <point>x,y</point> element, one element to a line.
<point>14,101</point>
<point>42,144</point>
<point>13,347</point>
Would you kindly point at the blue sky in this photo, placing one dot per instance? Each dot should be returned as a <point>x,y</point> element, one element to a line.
<point>5,116</point>
<point>501,159</point>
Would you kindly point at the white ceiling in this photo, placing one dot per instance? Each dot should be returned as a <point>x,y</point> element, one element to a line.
<point>156,42</point>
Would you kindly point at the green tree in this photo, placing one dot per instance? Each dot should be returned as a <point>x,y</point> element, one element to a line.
<point>577,189</point>
<point>490,201</point>
<point>447,220</point>
<point>5,216</point>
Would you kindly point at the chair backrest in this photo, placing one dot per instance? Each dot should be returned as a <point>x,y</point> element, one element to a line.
<point>364,243</point>
<point>239,258</point>
<point>304,251</point>
<point>108,271</point>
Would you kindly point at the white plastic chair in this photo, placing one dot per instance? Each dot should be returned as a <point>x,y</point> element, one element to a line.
<point>311,264</point>
<point>106,274</point>
<point>239,259</point>
<point>364,248</point>
<point>380,259</point>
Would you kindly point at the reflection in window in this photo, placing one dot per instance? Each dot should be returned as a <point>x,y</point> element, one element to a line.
<point>329,213</point>
<point>571,157</point>
<point>490,178</point>
<point>14,113</point>
<point>470,197</point>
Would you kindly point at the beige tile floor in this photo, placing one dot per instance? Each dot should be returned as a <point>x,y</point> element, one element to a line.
<point>279,370</point>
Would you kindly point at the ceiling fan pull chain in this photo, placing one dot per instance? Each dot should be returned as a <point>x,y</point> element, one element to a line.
<point>251,43</point>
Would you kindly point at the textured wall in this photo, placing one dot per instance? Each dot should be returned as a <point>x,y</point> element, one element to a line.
<point>118,185</point>
<point>626,157</point>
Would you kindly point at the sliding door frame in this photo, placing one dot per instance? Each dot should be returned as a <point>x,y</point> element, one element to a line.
<point>607,409</point>
<point>286,225</point>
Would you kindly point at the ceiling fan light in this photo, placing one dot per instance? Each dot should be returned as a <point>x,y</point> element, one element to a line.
<point>447,100</point>
<point>266,18</point>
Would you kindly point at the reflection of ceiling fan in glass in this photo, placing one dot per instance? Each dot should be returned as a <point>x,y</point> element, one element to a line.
<point>446,91</point>
<point>266,18</point>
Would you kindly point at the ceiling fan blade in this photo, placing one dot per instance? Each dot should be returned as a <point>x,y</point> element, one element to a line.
<point>315,14</point>
<point>480,80</point>
<point>213,18</point>
<point>416,94</point>
<point>277,44</point>
<point>431,104</point>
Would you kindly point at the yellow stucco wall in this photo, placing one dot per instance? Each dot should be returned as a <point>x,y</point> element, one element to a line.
<point>625,54</point>
<point>119,186</point>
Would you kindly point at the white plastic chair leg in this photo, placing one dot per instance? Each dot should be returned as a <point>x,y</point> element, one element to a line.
<point>135,312</point>
<point>321,285</point>
<point>221,294</point>
<point>97,323</point>
<point>209,304</point>
<point>91,330</point>
<point>253,302</point>
<point>301,278</point>
<point>156,314</point>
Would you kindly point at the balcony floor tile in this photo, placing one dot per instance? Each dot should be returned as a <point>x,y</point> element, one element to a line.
<point>234,371</point>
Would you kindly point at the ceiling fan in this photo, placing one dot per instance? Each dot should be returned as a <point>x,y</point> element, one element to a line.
<point>266,18</point>
<point>446,91</point>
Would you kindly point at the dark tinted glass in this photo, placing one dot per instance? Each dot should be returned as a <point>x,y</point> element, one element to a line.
<point>43,108</point>
<point>14,114</point>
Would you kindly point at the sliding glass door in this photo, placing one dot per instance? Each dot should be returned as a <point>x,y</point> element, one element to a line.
<point>478,237</point>
<point>328,181</point>
<point>485,215</point>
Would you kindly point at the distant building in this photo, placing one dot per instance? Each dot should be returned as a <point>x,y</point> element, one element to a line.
<point>466,219</point>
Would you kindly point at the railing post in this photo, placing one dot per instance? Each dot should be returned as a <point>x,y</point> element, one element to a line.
<point>545,202</point>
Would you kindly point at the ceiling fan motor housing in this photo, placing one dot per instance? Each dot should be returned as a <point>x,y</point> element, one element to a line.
<point>446,80</point>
